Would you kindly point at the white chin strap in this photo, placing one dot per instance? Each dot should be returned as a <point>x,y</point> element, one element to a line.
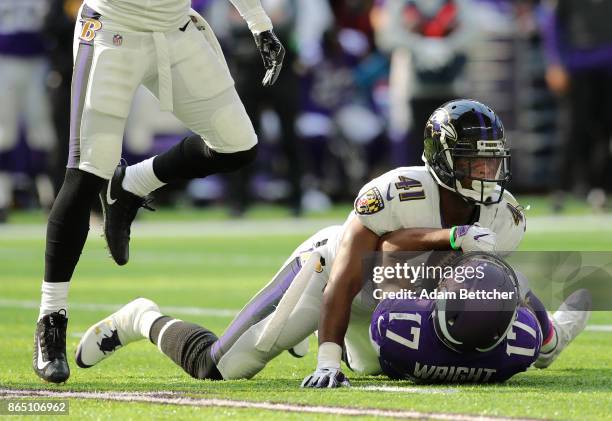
<point>473,193</point>
<point>486,188</point>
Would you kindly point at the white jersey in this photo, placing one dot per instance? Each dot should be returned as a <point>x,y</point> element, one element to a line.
<point>408,197</point>
<point>168,15</point>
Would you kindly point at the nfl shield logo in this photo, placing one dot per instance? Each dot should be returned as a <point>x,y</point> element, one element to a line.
<point>117,40</point>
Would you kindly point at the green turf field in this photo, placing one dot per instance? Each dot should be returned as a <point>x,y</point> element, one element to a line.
<point>198,268</point>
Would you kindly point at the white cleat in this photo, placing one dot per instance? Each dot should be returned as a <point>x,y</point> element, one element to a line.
<point>568,322</point>
<point>119,329</point>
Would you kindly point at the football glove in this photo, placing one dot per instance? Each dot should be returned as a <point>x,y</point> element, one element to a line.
<point>326,378</point>
<point>272,53</point>
<point>473,238</point>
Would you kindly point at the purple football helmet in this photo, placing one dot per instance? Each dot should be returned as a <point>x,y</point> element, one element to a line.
<point>480,302</point>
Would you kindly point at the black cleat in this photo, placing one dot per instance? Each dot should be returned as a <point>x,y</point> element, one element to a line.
<point>49,360</point>
<point>119,208</point>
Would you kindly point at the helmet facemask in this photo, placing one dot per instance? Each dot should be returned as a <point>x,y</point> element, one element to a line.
<point>473,169</point>
<point>479,167</point>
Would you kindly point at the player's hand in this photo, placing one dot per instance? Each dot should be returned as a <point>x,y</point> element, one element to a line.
<point>474,238</point>
<point>326,378</point>
<point>272,53</point>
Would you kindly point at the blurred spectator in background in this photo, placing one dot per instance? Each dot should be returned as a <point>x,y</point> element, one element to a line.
<point>578,44</point>
<point>325,126</point>
<point>354,14</point>
<point>343,106</point>
<point>59,32</point>
<point>429,40</point>
<point>282,99</point>
<point>23,71</point>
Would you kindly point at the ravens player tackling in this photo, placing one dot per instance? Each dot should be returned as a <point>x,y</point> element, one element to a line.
<point>457,201</point>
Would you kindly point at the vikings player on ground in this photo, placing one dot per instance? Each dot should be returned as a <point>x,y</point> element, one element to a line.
<point>474,340</point>
<point>173,52</point>
<point>456,201</point>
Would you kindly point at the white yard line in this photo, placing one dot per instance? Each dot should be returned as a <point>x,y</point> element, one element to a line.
<point>179,399</point>
<point>405,389</point>
<point>599,328</point>
<point>110,308</point>
<point>172,310</point>
<point>288,226</point>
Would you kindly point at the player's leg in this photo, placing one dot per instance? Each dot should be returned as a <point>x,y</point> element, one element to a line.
<point>235,355</point>
<point>205,100</point>
<point>560,328</point>
<point>565,325</point>
<point>130,323</point>
<point>359,354</point>
<point>98,110</point>
<point>197,350</point>
<point>142,319</point>
<point>67,229</point>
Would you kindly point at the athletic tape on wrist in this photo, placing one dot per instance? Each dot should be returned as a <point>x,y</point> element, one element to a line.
<point>330,355</point>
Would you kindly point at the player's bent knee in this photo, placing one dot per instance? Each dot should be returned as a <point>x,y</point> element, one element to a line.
<point>201,161</point>
<point>243,365</point>
<point>232,128</point>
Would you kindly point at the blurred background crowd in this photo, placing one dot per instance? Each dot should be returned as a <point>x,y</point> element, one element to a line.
<point>360,79</point>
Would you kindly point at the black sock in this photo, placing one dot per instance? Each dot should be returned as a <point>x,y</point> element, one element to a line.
<point>156,328</point>
<point>69,224</point>
<point>192,158</point>
<point>188,345</point>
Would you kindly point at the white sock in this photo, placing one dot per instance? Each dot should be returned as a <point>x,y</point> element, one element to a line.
<point>146,321</point>
<point>54,298</point>
<point>140,179</point>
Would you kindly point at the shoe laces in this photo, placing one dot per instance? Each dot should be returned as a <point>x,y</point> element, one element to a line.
<point>53,341</point>
<point>146,203</point>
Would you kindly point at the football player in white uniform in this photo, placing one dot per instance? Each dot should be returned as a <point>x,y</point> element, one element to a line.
<point>287,310</point>
<point>171,50</point>
<point>457,200</point>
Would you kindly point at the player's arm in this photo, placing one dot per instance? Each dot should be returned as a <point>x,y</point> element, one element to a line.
<point>463,237</point>
<point>343,285</point>
<point>416,239</point>
<point>271,49</point>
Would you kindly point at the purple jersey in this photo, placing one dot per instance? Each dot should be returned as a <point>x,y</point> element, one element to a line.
<point>408,347</point>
